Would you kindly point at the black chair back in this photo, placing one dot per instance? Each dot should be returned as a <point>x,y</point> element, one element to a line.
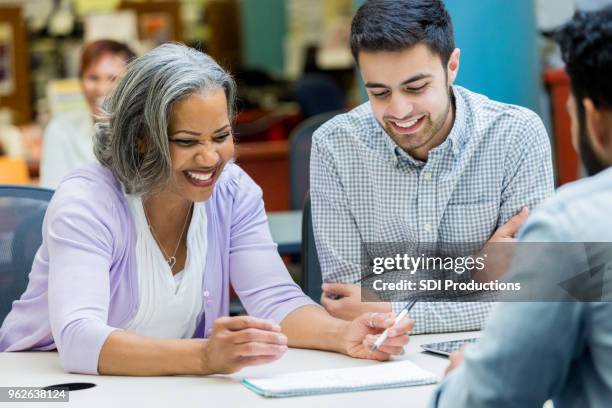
<point>300,142</point>
<point>311,269</point>
<point>22,210</point>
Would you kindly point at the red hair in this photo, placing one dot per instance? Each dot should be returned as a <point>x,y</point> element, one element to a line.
<point>94,50</point>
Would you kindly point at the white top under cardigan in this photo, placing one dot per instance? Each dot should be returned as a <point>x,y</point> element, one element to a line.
<point>168,305</point>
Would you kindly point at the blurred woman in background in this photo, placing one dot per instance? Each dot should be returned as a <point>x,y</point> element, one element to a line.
<point>68,139</point>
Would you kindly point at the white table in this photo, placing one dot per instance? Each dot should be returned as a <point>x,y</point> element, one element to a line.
<point>38,369</point>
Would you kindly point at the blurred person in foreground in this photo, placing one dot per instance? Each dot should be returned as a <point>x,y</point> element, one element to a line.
<point>68,138</point>
<point>532,352</point>
<point>140,249</point>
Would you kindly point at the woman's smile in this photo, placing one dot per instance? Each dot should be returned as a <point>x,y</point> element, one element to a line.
<point>201,178</point>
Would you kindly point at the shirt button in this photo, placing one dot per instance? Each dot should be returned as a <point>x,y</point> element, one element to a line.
<point>427,227</point>
<point>206,293</point>
<point>427,176</point>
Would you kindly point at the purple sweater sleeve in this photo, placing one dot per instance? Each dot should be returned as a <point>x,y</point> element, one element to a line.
<point>257,271</point>
<point>80,252</point>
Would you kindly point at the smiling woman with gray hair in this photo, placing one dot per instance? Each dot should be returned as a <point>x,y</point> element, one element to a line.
<point>133,276</point>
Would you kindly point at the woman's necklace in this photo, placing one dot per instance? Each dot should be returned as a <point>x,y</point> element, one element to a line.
<point>170,259</point>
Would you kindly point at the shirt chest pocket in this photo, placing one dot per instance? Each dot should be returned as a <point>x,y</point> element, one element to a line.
<point>469,222</point>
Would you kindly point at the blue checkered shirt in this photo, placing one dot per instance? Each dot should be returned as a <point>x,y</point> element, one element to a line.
<point>364,188</point>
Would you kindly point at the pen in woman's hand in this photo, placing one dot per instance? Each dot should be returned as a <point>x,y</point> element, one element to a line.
<point>381,339</point>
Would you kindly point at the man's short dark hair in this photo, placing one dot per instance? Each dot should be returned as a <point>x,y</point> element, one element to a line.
<point>586,46</point>
<point>396,25</point>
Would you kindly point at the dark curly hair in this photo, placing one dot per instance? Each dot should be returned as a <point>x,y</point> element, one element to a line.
<point>396,25</point>
<point>586,46</point>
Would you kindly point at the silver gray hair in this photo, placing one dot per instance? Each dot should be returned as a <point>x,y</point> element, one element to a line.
<point>132,138</point>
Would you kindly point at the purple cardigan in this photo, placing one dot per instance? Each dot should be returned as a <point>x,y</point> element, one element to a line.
<point>83,283</point>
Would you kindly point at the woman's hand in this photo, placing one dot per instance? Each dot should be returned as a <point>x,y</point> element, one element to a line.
<point>364,330</point>
<point>241,341</point>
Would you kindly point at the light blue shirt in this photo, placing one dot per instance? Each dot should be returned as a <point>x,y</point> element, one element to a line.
<point>532,352</point>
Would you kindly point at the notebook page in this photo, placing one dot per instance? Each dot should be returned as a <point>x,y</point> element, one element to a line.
<point>382,375</point>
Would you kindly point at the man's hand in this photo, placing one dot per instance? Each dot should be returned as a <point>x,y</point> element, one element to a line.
<point>455,360</point>
<point>507,232</point>
<point>362,332</point>
<point>343,300</point>
<point>500,248</point>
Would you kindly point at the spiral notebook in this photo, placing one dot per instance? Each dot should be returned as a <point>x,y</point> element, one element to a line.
<point>373,377</point>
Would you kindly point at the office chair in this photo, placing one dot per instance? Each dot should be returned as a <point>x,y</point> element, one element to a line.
<point>22,210</point>
<point>300,142</point>
<point>311,269</point>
